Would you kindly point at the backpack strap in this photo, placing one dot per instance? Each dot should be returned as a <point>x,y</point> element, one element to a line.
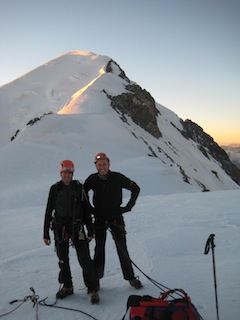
<point>84,194</point>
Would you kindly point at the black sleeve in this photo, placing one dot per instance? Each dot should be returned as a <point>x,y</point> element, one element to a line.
<point>48,212</point>
<point>87,184</point>
<point>132,187</point>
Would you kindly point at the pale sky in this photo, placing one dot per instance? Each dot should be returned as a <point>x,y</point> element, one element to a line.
<point>186,53</point>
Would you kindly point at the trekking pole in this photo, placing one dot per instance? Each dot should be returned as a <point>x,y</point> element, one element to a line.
<point>210,244</point>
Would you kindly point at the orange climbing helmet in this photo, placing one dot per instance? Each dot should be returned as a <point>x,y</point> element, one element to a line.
<point>66,166</point>
<point>100,155</point>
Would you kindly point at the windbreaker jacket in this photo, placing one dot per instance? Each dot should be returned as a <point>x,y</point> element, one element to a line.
<point>108,194</point>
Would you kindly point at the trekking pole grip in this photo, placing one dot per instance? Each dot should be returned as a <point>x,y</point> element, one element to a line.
<point>209,243</point>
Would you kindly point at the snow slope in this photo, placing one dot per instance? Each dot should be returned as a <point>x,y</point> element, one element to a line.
<point>166,240</point>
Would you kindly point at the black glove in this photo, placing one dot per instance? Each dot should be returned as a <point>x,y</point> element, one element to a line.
<point>125,209</point>
<point>46,235</point>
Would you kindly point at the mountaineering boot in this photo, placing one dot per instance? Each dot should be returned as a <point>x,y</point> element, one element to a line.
<point>63,292</point>
<point>94,297</point>
<point>135,282</point>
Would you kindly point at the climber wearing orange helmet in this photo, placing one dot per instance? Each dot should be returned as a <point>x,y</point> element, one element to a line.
<point>69,212</point>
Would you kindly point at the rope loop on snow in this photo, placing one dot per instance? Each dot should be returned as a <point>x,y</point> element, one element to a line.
<point>34,298</point>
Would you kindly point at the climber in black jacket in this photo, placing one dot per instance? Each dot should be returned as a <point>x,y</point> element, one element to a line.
<point>68,212</point>
<point>108,212</point>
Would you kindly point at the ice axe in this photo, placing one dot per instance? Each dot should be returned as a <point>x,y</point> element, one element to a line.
<point>210,244</point>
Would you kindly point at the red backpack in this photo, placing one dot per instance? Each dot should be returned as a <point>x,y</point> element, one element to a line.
<point>163,308</point>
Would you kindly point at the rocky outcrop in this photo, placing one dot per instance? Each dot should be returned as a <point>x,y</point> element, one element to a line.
<point>140,106</point>
<point>207,146</point>
<point>30,123</point>
<point>109,69</point>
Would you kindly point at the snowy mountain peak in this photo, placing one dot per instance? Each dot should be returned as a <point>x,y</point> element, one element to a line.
<point>80,103</point>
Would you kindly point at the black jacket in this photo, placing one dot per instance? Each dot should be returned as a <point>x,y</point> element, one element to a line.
<point>107,195</point>
<point>67,204</point>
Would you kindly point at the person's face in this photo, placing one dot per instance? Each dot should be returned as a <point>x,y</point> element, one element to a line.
<point>102,166</point>
<point>66,177</point>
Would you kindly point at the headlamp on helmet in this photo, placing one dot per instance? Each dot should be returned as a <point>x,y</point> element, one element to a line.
<point>100,155</point>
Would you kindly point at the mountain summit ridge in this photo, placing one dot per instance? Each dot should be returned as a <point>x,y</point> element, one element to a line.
<point>90,98</point>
